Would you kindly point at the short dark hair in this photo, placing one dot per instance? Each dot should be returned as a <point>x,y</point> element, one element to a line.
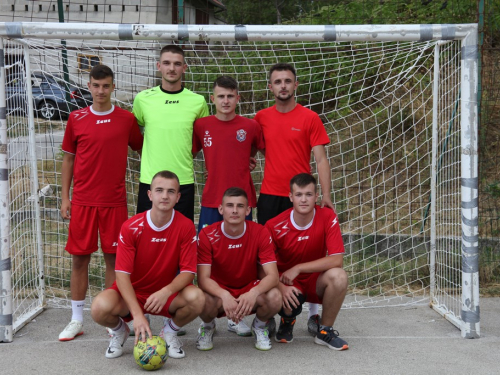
<point>282,67</point>
<point>226,82</point>
<point>100,72</point>
<point>235,192</point>
<point>166,174</point>
<point>173,48</point>
<point>302,180</point>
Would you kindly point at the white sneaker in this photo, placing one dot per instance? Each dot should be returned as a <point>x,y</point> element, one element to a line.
<point>205,339</point>
<point>241,329</point>
<point>262,340</point>
<point>73,329</point>
<point>180,332</point>
<point>131,324</point>
<point>174,345</point>
<point>118,338</point>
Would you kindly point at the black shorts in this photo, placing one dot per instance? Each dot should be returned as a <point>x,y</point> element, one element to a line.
<point>185,205</point>
<point>270,206</point>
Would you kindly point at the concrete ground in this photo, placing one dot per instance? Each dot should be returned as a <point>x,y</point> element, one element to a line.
<point>402,340</point>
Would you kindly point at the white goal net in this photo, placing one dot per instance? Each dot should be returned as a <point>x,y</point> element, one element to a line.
<point>398,105</point>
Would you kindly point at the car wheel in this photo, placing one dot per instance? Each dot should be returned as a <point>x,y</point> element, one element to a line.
<point>47,109</point>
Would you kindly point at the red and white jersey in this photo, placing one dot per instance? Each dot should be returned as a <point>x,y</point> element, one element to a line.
<point>234,260</point>
<point>296,245</point>
<point>99,141</point>
<point>151,255</point>
<point>289,139</point>
<point>227,147</point>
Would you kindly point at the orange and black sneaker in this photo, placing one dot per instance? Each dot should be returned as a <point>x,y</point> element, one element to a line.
<point>285,330</point>
<point>329,337</point>
<point>313,325</point>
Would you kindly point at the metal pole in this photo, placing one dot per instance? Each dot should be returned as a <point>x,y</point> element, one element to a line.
<point>64,56</point>
<point>435,125</point>
<point>6,330</point>
<point>469,190</point>
<point>34,175</point>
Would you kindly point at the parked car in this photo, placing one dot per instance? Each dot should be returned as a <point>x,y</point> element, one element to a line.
<point>49,95</point>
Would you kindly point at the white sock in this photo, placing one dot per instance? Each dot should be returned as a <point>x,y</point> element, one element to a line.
<point>120,325</point>
<point>77,310</point>
<point>257,323</point>
<point>209,325</point>
<point>172,327</point>
<point>313,309</point>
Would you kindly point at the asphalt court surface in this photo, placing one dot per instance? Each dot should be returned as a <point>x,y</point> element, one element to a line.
<point>400,340</point>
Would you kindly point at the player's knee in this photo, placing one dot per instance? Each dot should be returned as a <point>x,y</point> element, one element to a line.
<point>295,310</point>
<point>80,262</point>
<point>195,298</point>
<point>100,308</point>
<point>337,277</point>
<point>274,299</point>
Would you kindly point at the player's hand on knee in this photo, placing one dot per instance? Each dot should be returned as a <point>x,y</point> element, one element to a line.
<point>290,300</point>
<point>288,276</point>
<point>156,301</point>
<point>230,305</point>
<point>246,302</point>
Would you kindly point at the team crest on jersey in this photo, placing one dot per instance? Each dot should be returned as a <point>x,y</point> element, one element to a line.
<point>241,135</point>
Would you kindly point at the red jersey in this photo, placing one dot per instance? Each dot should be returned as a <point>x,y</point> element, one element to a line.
<point>99,141</point>
<point>227,146</point>
<point>151,255</point>
<point>289,139</point>
<point>296,245</point>
<point>234,259</point>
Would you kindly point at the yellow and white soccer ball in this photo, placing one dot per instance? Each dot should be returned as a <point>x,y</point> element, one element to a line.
<point>152,354</point>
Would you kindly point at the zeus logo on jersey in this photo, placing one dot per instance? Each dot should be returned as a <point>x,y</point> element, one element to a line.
<point>235,246</point>
<point>171,102</point>
<point>303,238</point>
<point>158,239</point>
<point>102,121</point>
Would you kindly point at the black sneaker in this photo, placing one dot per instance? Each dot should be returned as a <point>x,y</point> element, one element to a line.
<point>329,337</point>
<point>313,325</point>
<point>271,327</point>
<point>285,331</point>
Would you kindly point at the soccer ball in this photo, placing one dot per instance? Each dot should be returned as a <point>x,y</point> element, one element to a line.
<point>152,354</point>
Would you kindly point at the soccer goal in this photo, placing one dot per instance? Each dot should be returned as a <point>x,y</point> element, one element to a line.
<point>399,103</point>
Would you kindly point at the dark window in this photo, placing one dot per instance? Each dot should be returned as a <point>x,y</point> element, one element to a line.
<point>87,62</point>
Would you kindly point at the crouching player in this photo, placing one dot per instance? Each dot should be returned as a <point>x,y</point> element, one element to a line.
<point>309,252</point>
<point>152,247</point>
<point>229,253</point>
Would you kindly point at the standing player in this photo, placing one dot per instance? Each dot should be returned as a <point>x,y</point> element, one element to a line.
<point>309,251</point>
<point>228,141</point>
<point>228,255</point>
<point>95,147</point>
<point>153,246</point>
<point>290,131</point>
<point>167,113</point>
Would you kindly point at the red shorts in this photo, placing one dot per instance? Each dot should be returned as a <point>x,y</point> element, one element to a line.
<point>307,285</point>
<point>142,298</point>
<point>238,292</point>
<point>86,222</point>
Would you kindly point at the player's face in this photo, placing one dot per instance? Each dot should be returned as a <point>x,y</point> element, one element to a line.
<point>164,193</point>
<point>303,198</point>
<point>101,90</point>
<point>171,66</point>
<point>234,209</point>
<point>225,100</point>
<point>283,85</point>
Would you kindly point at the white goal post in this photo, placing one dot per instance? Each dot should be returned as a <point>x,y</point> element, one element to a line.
<point>399,103</point>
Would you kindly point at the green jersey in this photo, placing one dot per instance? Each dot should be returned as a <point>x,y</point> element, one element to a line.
<point>168,120</point>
